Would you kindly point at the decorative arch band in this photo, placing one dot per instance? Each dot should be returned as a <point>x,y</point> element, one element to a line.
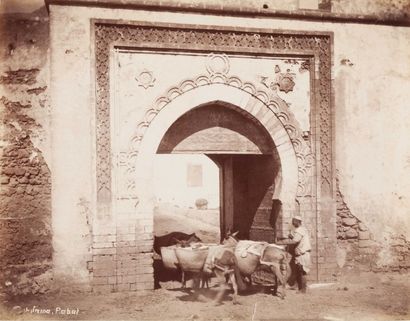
<point>270,101</point>
<point>316,46</point>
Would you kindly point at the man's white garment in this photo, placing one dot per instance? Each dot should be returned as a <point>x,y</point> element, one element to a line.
<point>303,247</point>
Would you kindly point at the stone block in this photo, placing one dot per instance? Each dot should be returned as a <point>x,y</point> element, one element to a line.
<point>349,221</point>
<point>124,230</point>
<point>143,286</point>
<point>104,238</point>
<point>109,265</point>
<point>102,259</point>
<point>126,250</point>
<point>98,280</point>
<point>343,214</point>
<point>144,236</point>
<point>103,245</point>
<point>103,272</point>
<point>145,277</point>
<point>104,251</point>
<point>104,288</point>
<point>145,269</point>
<point>18,171</point>
<point>351,233</point>
<point>128,265</point>
<point>398,241</point>
<point>125,243</point>
<point>123,287</point>
<point>149,285</point>
<point>4,180</point>
<point>126,271</point>
<point>145,248</point>
<point>366,243</point>
<point>129,278</point>
<point>364,235</point>
<point>367,250</point>
<point>126,237</point>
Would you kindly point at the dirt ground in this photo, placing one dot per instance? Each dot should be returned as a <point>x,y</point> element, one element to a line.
<point>367,296</point>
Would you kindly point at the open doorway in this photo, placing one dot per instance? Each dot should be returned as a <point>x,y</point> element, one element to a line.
<point>221,137</point>
<point>187,196</point>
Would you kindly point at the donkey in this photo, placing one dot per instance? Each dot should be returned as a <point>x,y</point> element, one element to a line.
<point>250,254</point>
<point>202,276</point>
<point>221,261</point>
<point>161,273</point>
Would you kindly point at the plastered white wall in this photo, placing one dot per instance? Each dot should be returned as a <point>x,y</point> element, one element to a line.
<point>371,111</point>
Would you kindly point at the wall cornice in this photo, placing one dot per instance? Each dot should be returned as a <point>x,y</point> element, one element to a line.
<point>235,11</point>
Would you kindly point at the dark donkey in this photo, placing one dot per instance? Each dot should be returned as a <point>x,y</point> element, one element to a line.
<point>160,272</point>
<point>172,239</point>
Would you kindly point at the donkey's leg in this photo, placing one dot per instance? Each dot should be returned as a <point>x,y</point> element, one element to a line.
<point>235,288</point>
<point>221,287</point>
<point>281,280</point>
<point>204,280</point>
<point>196,280</point>
<point>207,278</point>
<point>183,280</point>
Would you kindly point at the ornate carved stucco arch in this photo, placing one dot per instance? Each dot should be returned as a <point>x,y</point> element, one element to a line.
<point>265,106</point>
<point>315,46</point>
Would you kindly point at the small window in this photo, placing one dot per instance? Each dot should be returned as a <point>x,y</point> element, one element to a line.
<point>194,175</point>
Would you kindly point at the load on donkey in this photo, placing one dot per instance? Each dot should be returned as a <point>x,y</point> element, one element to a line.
<point>164,267</point>
<point>230,262</point>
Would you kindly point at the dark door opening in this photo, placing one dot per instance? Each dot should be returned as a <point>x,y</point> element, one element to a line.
<point>247,188</point>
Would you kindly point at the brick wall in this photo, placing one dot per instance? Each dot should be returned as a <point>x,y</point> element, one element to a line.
<point>25,200</point>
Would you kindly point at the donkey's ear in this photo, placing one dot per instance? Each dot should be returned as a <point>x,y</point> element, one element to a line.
<point>234,234</point>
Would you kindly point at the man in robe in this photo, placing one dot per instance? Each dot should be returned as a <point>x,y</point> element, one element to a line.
<point>299,236</point>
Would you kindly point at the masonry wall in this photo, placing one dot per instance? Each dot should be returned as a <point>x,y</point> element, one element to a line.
<point>370,103</point>
<point>25,190</point>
